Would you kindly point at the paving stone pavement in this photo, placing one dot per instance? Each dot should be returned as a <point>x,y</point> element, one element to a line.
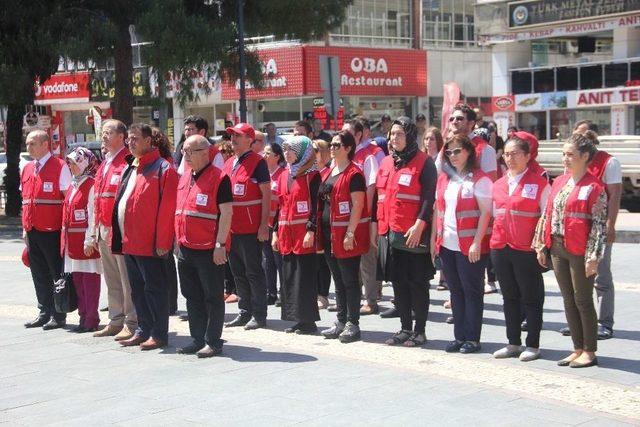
<point>266,377</point>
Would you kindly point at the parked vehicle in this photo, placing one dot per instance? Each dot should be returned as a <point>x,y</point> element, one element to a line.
<point>24,159</point>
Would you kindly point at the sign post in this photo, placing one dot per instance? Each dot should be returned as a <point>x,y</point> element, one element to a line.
<point>330,83</point>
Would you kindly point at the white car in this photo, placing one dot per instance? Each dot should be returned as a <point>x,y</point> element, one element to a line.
<point>24,159</point>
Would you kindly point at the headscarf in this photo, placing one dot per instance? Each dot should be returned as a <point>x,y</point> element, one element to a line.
<point>305,156</point>
<point>85,160</point>
<point>533,164</point>
<point>401,158</point>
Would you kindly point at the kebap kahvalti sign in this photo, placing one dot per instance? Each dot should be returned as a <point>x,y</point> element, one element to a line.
<point>540,12</point>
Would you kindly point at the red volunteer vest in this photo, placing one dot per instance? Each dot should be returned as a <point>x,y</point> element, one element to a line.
<point>295,210</point>
<point>324,172</point>
<point>577,212</point>
<point>196,221</point>
<point>106,187</point>
<point>467,213</point>
<point>516,216</point>
<point>75,221</point>
<point>340,213</point>
<point>41,196</point>
<point>361,155</point>
<point>399,194</point>
<point>275,177</point>
<point>598,164</point>
<point>247,197</point>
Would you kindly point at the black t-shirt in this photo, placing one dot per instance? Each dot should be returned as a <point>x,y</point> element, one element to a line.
<point>260,173</point>
<point>326,188</point>
<point>224,188</point>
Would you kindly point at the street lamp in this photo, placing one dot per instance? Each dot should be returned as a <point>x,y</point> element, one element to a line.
<point>243,95</point>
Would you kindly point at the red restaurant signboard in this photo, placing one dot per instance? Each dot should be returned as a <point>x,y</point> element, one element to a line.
<point>63,89</point>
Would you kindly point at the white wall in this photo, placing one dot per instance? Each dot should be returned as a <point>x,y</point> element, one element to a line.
<point>471,69</point>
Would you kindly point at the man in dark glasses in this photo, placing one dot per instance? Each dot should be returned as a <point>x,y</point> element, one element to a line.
<point>462,122</point>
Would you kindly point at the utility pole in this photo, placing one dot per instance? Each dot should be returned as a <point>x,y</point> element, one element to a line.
<point>243,95</point>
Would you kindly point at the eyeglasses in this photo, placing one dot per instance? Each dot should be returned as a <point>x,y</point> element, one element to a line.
<point>190,151</point>
<point>335,146</point>
<point>509,154</point>
<point>453,152</point>
<point>456,118</point>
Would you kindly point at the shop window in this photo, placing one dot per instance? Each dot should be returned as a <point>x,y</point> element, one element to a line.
<point>521,82</point>
<point>635,72</point>
<point>599,116</point>
<point>591,77</point>
<point>543,81</point>
<point>281,110</point>
<point>616,74</point>
<point>567,78</point>
<point>534,123</point>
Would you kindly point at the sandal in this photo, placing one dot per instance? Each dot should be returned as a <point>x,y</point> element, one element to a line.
<point>416,340</point>
<point>399,338</point>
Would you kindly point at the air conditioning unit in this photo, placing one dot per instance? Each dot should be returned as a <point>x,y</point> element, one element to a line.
<point>569,47</point>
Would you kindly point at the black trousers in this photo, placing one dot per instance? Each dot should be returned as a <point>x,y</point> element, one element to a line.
<point>345,272</point>
<point>245,258</point>
<point>46,267</point>
<point>522,288</point>
<point>172,280</point>
<point>324,276</point>
<point>229,281</point>
<point>272,266</point>
<point>150,294</point>
<point>408,273</point>
<point>299,290</point>
<point>202,284</point>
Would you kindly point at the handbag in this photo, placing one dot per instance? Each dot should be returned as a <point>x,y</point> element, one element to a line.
<point>65,298</point>
<point>398,241</point>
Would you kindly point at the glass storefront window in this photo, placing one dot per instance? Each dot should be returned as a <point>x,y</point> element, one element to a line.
<point>75,125</point>
<point>534,123</point>
<point>373,107</point>
<point>563,121</point>
<point>448,23</point>
<point>278,110</point>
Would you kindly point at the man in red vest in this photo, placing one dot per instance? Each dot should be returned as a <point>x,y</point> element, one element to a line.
<point>251,188</point>
<point>44,183</point>
<point>122,314</point>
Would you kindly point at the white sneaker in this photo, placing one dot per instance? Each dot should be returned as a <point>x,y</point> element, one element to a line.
<point>490,288</point>
<point>530,354</point>
<point>508,351</point>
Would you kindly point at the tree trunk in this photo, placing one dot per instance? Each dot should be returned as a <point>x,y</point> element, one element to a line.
<point>15,113</point>
<point>123,57</point>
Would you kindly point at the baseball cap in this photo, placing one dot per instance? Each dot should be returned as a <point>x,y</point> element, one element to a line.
<point>243,129</point>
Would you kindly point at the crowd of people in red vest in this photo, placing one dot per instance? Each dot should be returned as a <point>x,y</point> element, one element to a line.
<point>255,210</point>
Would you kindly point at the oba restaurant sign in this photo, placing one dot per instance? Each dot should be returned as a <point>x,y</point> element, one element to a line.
<point>63,88</point>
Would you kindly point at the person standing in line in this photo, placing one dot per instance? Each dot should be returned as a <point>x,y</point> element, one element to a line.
<point>142,230</point>
<point>461,238</point>
<point>272,260</point>
<point>519,198</point>
<point>319,132</point>
<point>344,234</point>
<point>251,187</point>
<point>202,223</point>
<point>572,231</point>
<point>78,242</point>
<point>272,135</point>
<point>44,183</point>
<point>323,163</point>
<point>122,312</point>
<point>294,236</point>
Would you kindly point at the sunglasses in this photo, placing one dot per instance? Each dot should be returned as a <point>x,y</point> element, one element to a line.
<point>453,152</point>
<point>456,118</point>
<point>335,145</point>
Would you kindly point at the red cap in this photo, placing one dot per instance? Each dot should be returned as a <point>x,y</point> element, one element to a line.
<point>243,129</point>
<point>25,258</point>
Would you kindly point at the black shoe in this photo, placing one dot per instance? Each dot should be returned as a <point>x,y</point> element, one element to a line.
<point>190,349</point>
<point>105,308</point>
<point>78,329</point>
<point>255,324</point>
<point>389,313</point>
<point>238,321</point>
<point>184,317</point>
<point>208,351</point>
<point>449,320</point>
<point>292,329</point>
<point>307,329</point>
<point>574,364</point>
<point>333,332</point>
<point>37,322</point>
<point>469,347</point>
<point>277,303</point>
<point>271,299</point>
<point>604,333</point>
<point>332,308</point>
<point>351,333</point>
<point>524,327</point>
<point>565,331</point>
<point>453,346</point>
<point>54,324</point>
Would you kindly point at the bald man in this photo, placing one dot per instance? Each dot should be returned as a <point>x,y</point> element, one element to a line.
<point>43,183</point>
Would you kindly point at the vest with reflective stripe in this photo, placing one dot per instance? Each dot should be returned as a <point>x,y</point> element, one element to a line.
<point>577,212</point>
<point>106,187</point>
<point>274,194</point>
<point>41,196</point>
<point>467,215</point>
<point>340,214</point>
<point>516,215</point>
<point>75,220</point>
<point>598,164</point>
<point>295,210</point>
<point>247,197</point>
<point>361,155</point>
<point>196,221</point>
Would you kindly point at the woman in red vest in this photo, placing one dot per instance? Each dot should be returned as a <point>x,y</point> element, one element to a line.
<point>461,238</point>
<point>573,232</point>
<point>272,260</point>
<point>79,245</point>
<point>295,236</point>
<point>323,163</point>
<point>519,198</point>
<point>344,226</point>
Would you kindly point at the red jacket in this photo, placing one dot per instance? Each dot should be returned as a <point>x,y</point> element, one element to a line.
<point>598,164</point>
<point>41,196</point>
<point>275,201</point>
<point>75,221</point>
<point>516,215</point>
<point>577,212</point>
<point>247,196</point>
<point>106,187</point>
<point>361,155</point>
<point>150,210</point>
<point>467,214</point>
<point>340,214</point>
<point>295,211</point>
<point>197,212</point>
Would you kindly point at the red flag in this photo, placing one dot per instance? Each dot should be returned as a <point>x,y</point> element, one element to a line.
<point>451,98</point>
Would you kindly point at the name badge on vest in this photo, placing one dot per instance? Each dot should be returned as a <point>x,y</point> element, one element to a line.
<point>47,187</point>
<point>467,190</point>
<point>303,207</point>
<point>584,192</point>
<point>343,208</point>
<point>405,179</point>
<point>239,189</point>
<point>530,191</point>
<point>79,215</point>
<point>115,180</point>
<point>202,199</point>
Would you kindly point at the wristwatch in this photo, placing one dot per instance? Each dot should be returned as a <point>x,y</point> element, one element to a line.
<point>219,245</point>
<point>349,234</point>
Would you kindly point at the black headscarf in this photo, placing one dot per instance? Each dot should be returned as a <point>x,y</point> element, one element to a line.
<point>401,158</point>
